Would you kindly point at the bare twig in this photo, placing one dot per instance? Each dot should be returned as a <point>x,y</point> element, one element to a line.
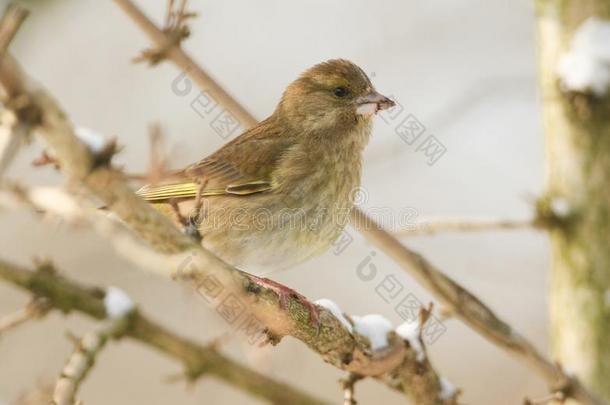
<point>395,364</point>
<point>175,30</point>
<point>198,360</point>
<point>348,385</point>
<point>35,309</point>
<point>157,167</point>
<point>471,310</point>
<point>464,304</point>
<point>186,63</point>
<point>12,132</point>
<point>83,358</point>
<point>13,17</point>
<point>57,202</point>
<point>432,226</point>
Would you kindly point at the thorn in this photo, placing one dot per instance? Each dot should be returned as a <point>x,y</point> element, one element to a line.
<point>104,156</point>
<point>446,313</point>
<point>218,342</point>
<point>270,339</point>
<point>45,159</point>
<point>175,29</point>
<point>44,265</point>
<point>424,315</point>
<point>75,340</point>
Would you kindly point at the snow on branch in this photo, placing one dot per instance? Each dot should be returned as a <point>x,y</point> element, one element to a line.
<point>68,296</point>
<point>457,299</point>
<point>334,342</point>
<point>585,66</point>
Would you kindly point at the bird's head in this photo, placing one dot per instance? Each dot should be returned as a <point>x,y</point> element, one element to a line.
<point>332,95</point>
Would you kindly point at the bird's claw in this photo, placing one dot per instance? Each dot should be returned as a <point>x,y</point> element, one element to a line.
<point>285,294</point>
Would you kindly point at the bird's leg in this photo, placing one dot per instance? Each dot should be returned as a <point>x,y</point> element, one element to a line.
<point>285,293</point>
<point>189,227</point>
<point>174,204</point>
<point>191,224</point>
<point>199,202</point>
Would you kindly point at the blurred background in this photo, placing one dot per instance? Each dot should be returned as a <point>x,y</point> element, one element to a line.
<point>466,70</point>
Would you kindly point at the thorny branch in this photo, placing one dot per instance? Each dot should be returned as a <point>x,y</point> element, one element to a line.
<point>12,132</point>
<point>83,358</point>
<point>9,25</point>
<point>453,296</point>
<point>56,202</point>
<point>198,360</point>
<point>175,30</point>
<point>36,308</point>
<point>395,364</point>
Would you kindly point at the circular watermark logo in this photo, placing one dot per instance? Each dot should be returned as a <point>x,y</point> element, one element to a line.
<point>359,195</point>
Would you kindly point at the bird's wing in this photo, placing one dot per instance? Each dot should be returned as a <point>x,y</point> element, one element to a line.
<point>242,167</point>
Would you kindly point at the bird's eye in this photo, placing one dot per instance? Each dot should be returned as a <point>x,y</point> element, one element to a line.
<point>340,91</point>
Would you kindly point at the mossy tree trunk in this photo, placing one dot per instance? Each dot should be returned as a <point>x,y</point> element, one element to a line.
<point>577,133</point>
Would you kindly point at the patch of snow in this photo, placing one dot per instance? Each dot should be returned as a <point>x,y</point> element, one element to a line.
<point>336,311</point>
<point>375,327</point>
<point>117,303</point>
<point>409,331</point>
<point>448,390</point>
<point>560,206</point>
<point>55,200</point>
<point>586,65</point>
<point>92,139</point>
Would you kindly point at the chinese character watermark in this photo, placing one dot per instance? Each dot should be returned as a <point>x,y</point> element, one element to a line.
<point>411,130</point>
<point>228,305</point>
<point>203,104</point>
<point>406,306</point>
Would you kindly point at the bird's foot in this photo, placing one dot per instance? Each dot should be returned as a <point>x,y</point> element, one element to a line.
<point>285,293</point>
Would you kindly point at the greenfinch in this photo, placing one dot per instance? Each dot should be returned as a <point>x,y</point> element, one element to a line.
<point>281,192</point>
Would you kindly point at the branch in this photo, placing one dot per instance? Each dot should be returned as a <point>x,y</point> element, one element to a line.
<point>185,62</point>
<point>464,304</point>
<point>198,360</point>
<point>431,226</point>
<point>12,19</point>
<point>412,374</point>
<point>471,310</point>
<point>348,385</point>
<point>82,360</point>
<point>34,309</point>
<point>12,132</point>
<point>396,364</point>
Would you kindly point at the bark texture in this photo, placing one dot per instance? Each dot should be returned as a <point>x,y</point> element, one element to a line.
<point>577,132</point>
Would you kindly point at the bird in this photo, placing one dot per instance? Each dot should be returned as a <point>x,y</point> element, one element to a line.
<point>280,192</point>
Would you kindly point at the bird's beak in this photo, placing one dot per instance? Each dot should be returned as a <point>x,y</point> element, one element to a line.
<point>372,103</point>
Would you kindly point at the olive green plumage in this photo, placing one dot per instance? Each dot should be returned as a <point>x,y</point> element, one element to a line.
<point>280,192</point>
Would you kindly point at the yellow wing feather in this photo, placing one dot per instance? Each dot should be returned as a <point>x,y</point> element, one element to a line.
<point>164,192</point>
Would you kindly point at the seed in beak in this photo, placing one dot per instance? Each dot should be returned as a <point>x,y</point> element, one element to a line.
<point>372,103</point>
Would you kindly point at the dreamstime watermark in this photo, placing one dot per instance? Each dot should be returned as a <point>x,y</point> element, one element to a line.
<point>406,306</point>
<point>296,213</point>
<point>314,220</point>
<point>221,120</point>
